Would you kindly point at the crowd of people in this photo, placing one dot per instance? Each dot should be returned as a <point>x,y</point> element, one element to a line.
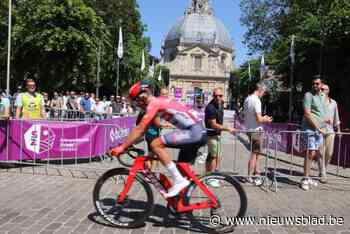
<point>320,125</point>
<point>30,104</point>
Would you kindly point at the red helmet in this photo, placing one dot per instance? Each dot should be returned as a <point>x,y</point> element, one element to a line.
<point>138,88</point>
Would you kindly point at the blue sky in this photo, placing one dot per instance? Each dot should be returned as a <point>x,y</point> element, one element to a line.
<point>160,15</point>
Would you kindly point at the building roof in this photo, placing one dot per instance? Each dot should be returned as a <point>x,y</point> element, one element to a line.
<point>199,26</point>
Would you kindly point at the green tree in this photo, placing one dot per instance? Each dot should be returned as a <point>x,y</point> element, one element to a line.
<point>123,13</point>
<point>55,41</point>
<point>322,29</point>
<point>3,39</point>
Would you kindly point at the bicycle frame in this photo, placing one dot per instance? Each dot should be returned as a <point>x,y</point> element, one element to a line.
<point>178,202</point>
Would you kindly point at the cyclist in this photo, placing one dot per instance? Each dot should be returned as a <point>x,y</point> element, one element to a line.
<point>189,137</point>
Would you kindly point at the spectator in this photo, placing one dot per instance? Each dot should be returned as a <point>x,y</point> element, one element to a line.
<point>98,108</point>
<point>46,103</point>
<point>85,103</point>
<point>79,98</point>
<point>4,107</point>
<point>113,106</point>
<point>55,105</point>
<point>214,119</point>
<point>332,123</point>
<point>119,105</point>
<point>129,108</point>
<point>13,100</point>
<point>65,100</point>
<point>92,98</point>
<point>30,104</point>
<point>106,103</point>
<point>72,101</point>
<point>253,119</point>
<point>314,124</point>
<point>124,109</point>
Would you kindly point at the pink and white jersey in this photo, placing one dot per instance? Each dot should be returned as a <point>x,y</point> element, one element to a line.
<point>174,112</point>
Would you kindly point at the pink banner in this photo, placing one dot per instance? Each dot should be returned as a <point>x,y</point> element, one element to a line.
<point>28,140</point>
<point>293,143</point>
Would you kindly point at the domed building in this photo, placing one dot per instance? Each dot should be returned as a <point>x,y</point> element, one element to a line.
<point>199,52</point>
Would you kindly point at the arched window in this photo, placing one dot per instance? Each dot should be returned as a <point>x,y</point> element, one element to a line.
<point>223,58</point>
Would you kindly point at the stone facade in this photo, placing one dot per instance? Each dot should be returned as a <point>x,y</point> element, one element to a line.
<point>198,53</point>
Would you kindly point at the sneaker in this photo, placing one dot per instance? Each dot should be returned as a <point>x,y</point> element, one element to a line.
<point>214,183</point>
<point>304,184</point>
<point>313,182</point>
<point>323,180</point>
<point>250,180</point>
<point>258,181</point>
<point>176,188</point>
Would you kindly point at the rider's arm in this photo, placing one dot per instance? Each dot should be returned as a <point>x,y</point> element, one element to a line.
<point>141,128</point>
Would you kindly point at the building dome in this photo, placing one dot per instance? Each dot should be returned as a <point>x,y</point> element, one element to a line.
<point>195,28</point>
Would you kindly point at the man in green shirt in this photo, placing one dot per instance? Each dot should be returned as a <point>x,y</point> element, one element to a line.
<point>314,124</point>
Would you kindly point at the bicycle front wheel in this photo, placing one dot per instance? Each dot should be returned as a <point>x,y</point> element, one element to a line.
<point>136,208</point>
<point>126,160</point>
<point>232,203</point>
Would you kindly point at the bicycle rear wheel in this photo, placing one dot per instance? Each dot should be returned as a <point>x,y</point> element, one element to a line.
<point>231,197</point>
<point>134,210</point>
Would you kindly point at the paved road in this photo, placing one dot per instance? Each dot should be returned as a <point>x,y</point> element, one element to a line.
<point>60,201</point>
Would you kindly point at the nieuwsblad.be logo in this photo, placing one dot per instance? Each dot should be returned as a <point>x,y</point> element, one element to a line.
<point>39,138</point>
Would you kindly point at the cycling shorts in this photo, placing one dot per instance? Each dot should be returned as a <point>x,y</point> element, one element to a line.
<point>187,140</point>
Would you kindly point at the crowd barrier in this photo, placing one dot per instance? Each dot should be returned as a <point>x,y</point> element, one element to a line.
<point>77,115</point>
<point>64,144</point>
<point>291,148</point>
<point>83,145</point>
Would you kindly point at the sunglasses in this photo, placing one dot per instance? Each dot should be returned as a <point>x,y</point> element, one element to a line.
<point>218,95</point>
<point>324,89</point>
<point>316,83</point>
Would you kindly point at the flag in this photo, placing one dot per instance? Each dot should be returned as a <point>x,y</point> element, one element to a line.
<point>160,75</point>
<point>249,72</point>
<point>143,65</point>
<point>263,67</point>
<point>120,44</point>
<point>292,50</point>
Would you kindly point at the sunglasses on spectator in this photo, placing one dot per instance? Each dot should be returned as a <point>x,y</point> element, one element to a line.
<point>220,95</point>
<point>316,83</point>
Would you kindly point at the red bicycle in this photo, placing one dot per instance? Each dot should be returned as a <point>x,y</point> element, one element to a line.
<point>124,198</point>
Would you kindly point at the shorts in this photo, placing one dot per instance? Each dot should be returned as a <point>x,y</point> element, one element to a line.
<point>255,140</point>
<point>214,148</point>
<point>149,139</point>
<point>313,139</point>
<point>187,140</point>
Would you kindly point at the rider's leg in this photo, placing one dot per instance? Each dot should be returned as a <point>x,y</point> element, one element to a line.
<point>179,181</point>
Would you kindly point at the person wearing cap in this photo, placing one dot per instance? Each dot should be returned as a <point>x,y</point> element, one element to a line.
<point>30,104</point>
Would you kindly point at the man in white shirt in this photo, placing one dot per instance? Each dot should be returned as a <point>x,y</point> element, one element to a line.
<point>253,120</point>
<point>98,108</point>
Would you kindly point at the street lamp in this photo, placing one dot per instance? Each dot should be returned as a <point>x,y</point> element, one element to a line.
<point>9,49</point>
<point>292,59</point>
